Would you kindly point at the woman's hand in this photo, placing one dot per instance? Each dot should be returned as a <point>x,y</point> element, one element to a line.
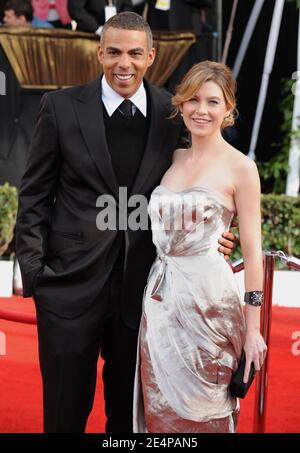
<point>256,350</point>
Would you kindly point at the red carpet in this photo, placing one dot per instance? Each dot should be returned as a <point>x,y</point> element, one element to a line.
<point>20,389</point>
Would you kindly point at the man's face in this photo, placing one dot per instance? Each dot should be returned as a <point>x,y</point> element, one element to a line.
<point>125,57</point>
<point>11,20</point>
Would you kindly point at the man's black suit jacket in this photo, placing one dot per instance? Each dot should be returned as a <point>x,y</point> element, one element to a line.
<point>64,259</point>
<point>89,14</point>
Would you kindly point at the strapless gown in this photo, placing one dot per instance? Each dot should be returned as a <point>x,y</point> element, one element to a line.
<point>192,328</point>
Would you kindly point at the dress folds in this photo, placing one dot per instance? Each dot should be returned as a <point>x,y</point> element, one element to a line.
<point>192,328</point>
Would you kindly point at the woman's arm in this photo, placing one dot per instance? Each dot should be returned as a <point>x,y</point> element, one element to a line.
<point>247,200</point>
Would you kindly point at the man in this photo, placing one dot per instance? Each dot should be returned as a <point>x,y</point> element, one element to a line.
<point>53,11</point>
<point>138,6</point>
<point>19,13</point>
<point>183,15</point>
<point>90,14</point>
<point>2,4</point>
<point>176,15</point>
<point>87,282</point>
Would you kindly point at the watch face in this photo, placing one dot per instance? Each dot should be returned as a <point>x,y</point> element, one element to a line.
<point>254,298</point>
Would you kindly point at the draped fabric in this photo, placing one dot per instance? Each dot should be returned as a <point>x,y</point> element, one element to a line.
<point>51,59</point>
<point>170,49</point>
<point>192,327</point>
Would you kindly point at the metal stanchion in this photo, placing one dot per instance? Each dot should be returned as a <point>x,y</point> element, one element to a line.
<point>238,265</point>
<point>290,261</point>
<point>266,318</point>
<point>265,326</point>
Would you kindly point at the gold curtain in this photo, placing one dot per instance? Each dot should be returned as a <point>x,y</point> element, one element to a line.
<point>52,58</point>
<point>170,48</point>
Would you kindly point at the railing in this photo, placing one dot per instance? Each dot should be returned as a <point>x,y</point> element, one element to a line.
<point>260,405</point>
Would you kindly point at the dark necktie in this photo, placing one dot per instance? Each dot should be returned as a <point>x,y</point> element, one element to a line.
<point>126,109</point>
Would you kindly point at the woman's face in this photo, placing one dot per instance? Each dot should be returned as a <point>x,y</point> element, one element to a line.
<point>204,113</point>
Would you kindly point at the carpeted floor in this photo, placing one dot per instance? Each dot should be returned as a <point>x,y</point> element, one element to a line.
<point>20,389</point>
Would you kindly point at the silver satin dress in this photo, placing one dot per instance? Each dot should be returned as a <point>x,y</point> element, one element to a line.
<point>192,328</point>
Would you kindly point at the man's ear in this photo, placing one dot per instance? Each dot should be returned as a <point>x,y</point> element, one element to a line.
<point>151,56</point>
<point>100,54</point>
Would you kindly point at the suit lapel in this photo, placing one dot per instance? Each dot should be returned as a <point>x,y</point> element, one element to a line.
<point>155,140</point>
<point>89,109</point>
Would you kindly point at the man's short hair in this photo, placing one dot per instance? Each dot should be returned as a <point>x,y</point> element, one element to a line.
<point>21,8</point>
<point>128,21</point>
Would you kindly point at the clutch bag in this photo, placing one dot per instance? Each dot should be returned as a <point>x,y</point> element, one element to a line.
<point>237,386</point>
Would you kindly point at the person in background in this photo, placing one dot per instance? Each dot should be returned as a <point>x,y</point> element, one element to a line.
<point>53,11</point>
<point>182,15</point>
<point>90,15</point>
<point>2,3</point>
<point>175,15</point>
<point>19,13</point>
<point>138,6</point>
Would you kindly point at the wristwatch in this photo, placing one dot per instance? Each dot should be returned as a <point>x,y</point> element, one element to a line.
<point>254,298</point>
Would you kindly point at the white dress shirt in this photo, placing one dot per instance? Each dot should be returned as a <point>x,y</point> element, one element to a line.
<point>112,100</point>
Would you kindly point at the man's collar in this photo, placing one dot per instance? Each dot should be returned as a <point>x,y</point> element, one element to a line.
<point>112,100</point>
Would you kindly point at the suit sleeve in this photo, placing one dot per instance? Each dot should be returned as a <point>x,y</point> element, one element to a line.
<point>36,196</point>
<point>85,20</point>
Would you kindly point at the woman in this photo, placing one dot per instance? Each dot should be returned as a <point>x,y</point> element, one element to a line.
<point>53,11</point>
<point>192,330</point>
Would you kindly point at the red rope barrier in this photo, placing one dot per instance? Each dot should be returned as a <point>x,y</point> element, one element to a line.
<point>26,318</point>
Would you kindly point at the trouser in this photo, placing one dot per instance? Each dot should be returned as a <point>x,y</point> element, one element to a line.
<point>69,350</point>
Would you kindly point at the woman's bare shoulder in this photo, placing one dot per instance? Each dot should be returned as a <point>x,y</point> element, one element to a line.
<point>243,171</point>
<point>179,154</point>
<point>240,161</point>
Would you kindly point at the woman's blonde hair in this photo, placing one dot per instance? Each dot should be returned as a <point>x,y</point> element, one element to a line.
<point>208,71</point>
